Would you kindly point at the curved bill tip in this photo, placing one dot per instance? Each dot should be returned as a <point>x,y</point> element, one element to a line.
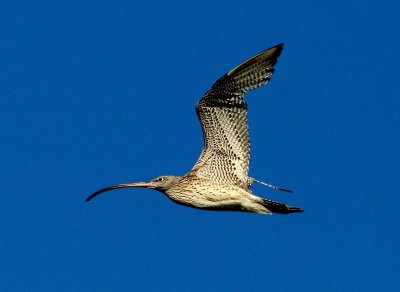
<point>118,186</point>
<point>95,194</point>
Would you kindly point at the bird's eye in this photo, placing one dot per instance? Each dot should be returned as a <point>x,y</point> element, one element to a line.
<point>159,179</point>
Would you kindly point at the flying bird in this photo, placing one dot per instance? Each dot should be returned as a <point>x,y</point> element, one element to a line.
<point>219,180</point>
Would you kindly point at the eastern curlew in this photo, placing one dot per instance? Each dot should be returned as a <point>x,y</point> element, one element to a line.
<point>219,180</point>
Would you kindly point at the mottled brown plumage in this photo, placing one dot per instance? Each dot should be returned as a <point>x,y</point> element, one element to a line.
<point>219,180</point>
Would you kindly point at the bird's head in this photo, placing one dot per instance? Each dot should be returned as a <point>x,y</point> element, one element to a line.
<point>164,182</point>
<point>160,183</point>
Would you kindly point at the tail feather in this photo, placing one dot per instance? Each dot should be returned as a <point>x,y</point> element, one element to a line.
<point>280,208</point>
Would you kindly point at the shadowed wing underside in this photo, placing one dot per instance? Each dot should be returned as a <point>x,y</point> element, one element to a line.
<point>223,116</point>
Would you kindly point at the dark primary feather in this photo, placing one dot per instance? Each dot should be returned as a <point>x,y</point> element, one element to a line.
<point>223,116</point>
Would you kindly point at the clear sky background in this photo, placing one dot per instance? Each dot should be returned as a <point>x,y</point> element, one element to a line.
<point>100,92</point>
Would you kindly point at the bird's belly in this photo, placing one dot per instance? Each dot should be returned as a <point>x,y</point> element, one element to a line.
<point>218,198</point>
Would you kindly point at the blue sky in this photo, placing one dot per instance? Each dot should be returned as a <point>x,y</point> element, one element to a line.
<point>100,92</point>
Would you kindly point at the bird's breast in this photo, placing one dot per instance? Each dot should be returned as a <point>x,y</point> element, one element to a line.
<point>205,194</point>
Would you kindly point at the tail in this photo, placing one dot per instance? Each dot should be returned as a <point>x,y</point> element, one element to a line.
<point>279,208</point>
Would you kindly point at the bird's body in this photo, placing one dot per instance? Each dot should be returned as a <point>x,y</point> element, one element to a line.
<point>219,180</point>
<point>207,194</point>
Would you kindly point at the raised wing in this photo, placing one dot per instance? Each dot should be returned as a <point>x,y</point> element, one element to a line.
<point>223,116</point>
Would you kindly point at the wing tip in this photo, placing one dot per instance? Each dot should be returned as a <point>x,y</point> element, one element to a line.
<point>271,53</point>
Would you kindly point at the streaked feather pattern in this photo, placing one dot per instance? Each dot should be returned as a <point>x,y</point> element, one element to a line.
<point>223,116</point>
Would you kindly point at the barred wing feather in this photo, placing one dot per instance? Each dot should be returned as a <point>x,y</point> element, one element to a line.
<point>222,112</point>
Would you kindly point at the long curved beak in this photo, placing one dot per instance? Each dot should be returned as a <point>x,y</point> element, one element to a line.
<point>120,186</point>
